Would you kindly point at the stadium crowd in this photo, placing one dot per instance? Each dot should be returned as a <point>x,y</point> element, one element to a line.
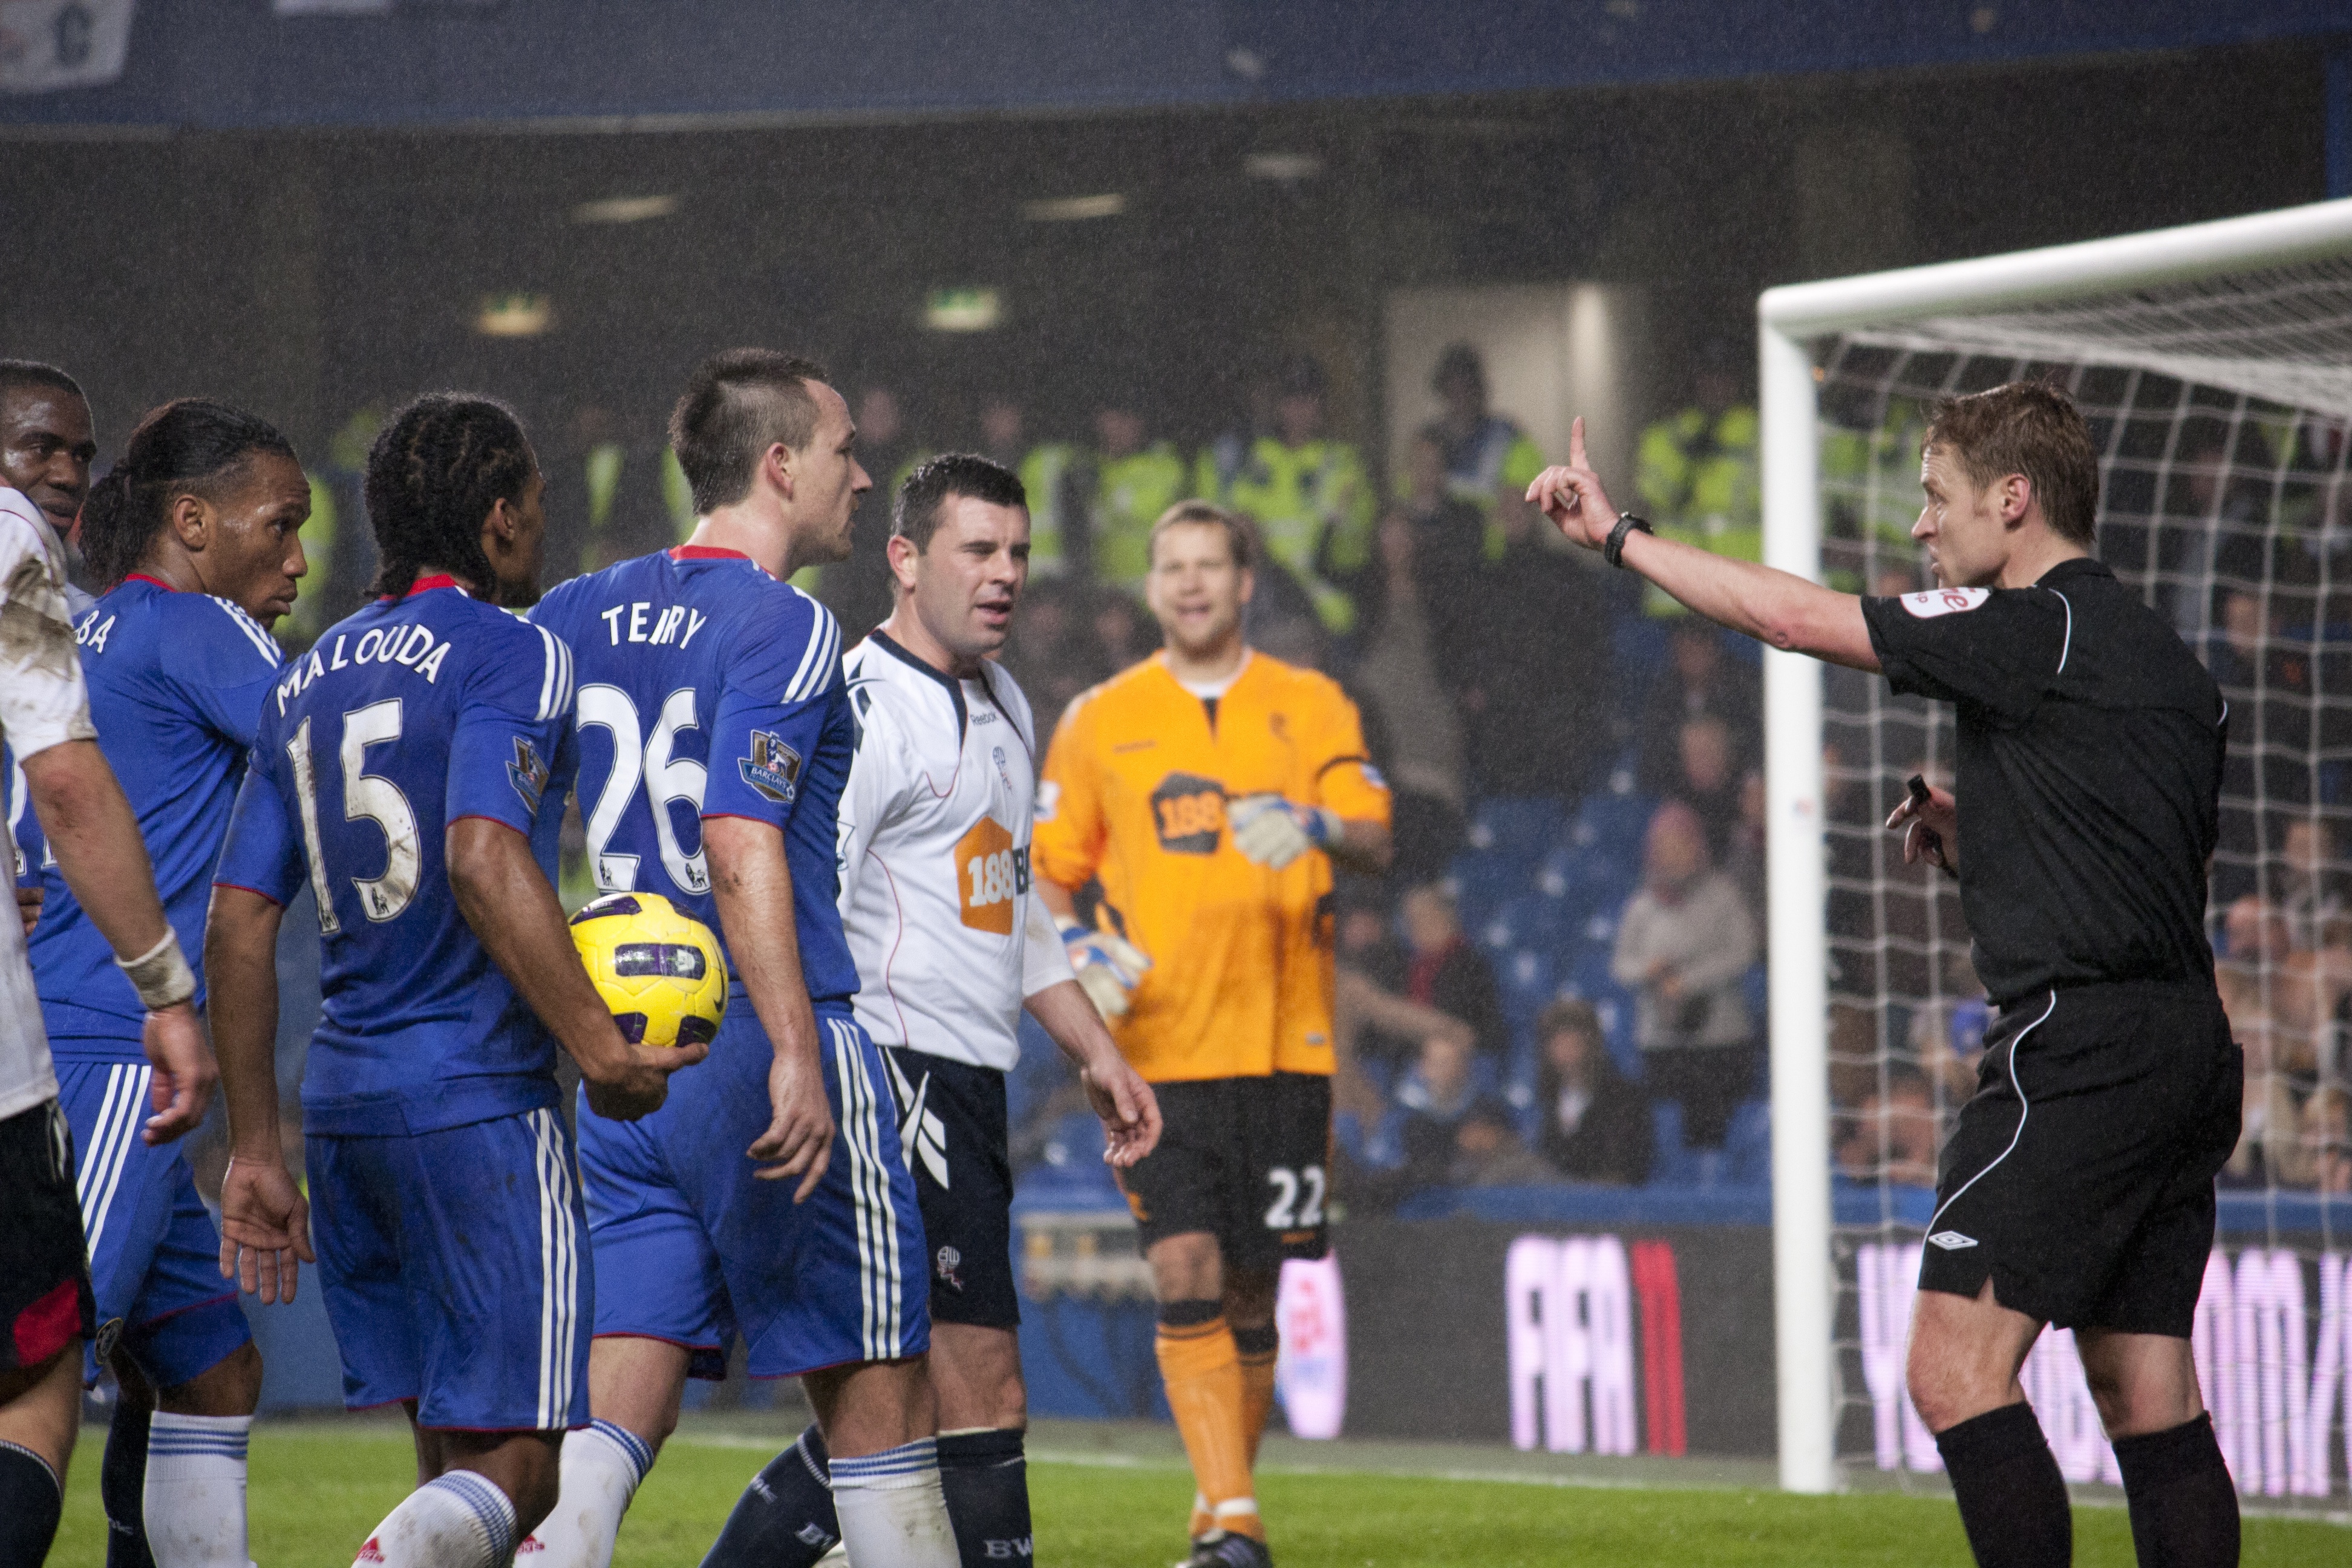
<point>1560,979</point>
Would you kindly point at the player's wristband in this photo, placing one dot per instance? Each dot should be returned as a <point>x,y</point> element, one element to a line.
<point>1614,551</point>
<point>160,975</point>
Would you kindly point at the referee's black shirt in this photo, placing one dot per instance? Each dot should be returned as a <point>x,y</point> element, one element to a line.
<point>2090,774</point>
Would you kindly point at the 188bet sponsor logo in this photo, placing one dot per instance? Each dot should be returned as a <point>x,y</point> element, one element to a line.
<point>991,871</point>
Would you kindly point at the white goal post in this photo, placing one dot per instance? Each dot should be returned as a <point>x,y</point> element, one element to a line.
<point>2001,305</point>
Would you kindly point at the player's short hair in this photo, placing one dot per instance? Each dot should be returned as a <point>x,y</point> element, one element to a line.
<point>735,406</point>
<point>191,445</point>
<point>1239,536</point>
<point>436,468</point>
<point>23,374</point>
<point>922,496</point>
<point>2026,427</point>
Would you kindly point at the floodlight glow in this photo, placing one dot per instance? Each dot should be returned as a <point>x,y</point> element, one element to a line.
<point>624,210</point>
<point>514,315</point>
<point>1282,165</point>
<point>1074,209</point>
<point>965,310</point>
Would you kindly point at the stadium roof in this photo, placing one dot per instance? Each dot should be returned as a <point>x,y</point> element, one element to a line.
<point>154,66</point>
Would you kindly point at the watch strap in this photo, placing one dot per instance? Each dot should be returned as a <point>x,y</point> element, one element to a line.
<point>1614,551</point>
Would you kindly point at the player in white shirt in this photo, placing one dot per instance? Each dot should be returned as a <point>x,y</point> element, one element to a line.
<point>950,944</point>
<point>45,1306</point>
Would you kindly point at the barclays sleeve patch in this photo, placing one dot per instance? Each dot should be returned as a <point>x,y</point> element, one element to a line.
<point>773,769</point>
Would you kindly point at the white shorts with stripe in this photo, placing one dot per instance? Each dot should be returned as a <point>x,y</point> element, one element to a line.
<point>693,1248</point>
<point>454,1271</point>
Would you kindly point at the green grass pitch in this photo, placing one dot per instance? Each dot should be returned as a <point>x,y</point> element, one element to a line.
<point>316,1488</point>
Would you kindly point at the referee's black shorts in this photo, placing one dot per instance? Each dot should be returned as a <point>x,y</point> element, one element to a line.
<point>953,1135</point>
<point>2080,1179</point>
<point>45,1297</point>
<point>1245,1159</point>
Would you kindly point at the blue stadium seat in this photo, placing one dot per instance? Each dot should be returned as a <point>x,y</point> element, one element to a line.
<point>1747,1143</point>
<point>1523,977</point>
<point>1521,828</point>
<point>1675,1164</point>
<point>1483,882</point>
<point>1531,920</point>
<point>1614,819</point>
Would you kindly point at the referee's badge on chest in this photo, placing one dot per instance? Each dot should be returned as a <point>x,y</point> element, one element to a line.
<point>1935,602</point>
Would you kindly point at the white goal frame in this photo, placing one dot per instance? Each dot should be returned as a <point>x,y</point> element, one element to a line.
<point>1789,321</point>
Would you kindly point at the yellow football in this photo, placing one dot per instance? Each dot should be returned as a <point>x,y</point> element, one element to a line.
<point>658,969</point>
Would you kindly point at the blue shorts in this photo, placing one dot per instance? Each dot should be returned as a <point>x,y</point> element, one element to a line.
<point>692,1246</point>
<point>154,1254</point>
<point>453,1273</point>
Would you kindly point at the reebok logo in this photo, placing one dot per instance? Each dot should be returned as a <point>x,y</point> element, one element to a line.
<point>1951,1240</point>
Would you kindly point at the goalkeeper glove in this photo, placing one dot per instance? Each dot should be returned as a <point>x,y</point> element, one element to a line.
<point>1274,832</point>
<point>1109,967</point>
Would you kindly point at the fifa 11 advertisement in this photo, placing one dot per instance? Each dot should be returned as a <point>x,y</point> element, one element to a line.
<point>2274,1346</point>
<point>1655,1339</point>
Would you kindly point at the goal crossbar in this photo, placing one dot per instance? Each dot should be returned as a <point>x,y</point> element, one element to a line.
<point>2016,305</point>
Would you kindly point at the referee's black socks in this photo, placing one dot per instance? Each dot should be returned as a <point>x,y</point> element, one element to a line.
<point>32,1499</point>
<point>2012,1500</point>
<point>2184,1508</point>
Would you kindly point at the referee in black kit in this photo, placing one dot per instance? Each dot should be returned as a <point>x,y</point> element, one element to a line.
<point>2078,1188</point>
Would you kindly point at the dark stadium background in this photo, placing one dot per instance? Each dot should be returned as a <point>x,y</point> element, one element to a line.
<point>299,214</point>
<point>302,214</point>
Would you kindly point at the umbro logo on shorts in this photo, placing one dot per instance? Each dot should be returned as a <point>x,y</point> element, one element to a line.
<point>1951,1240</point>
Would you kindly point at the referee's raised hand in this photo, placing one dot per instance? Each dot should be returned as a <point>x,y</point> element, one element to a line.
<point>1571,495</point>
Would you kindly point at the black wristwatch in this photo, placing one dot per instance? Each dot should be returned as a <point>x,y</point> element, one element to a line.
<point>1614,551</point>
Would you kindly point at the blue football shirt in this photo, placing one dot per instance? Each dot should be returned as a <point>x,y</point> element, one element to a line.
<point>410,715</point>
<point>708,687</point>
<point>176,682</point>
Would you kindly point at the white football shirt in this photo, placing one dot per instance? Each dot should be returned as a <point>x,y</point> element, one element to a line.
<point>937,896</point>
<point>43,703</point>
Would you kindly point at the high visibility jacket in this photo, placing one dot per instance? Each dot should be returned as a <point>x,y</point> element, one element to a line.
<point>1313,506</point>
<point>308,614</point>
<point>1045,475</point>
<point>1869,490</point>
<point>1130,493</point>
<point>1699,481</point>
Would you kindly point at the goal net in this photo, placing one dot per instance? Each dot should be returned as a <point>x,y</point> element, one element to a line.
<point>2215,368</point>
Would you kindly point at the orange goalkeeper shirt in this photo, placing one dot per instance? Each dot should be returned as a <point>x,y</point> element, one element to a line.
<point>1135,790</point>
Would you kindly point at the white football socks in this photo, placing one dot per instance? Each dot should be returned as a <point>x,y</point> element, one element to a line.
<point>892,1507</point>
<point>194,1498</point>
<point>603,1465</point>
<point>461,1520</point>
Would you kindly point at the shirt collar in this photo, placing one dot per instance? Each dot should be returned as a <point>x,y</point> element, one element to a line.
<point>143,577</point>
<point>2073,566</point>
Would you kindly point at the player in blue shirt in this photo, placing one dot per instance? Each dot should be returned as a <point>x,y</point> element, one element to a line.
<point>195,531</point>
<point>411,768</point>
<point>715,738</point>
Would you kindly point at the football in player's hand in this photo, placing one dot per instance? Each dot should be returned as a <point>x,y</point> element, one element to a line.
<point>658,969</point>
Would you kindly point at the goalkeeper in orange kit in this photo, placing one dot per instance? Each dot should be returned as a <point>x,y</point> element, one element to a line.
<point>1210,790</point>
